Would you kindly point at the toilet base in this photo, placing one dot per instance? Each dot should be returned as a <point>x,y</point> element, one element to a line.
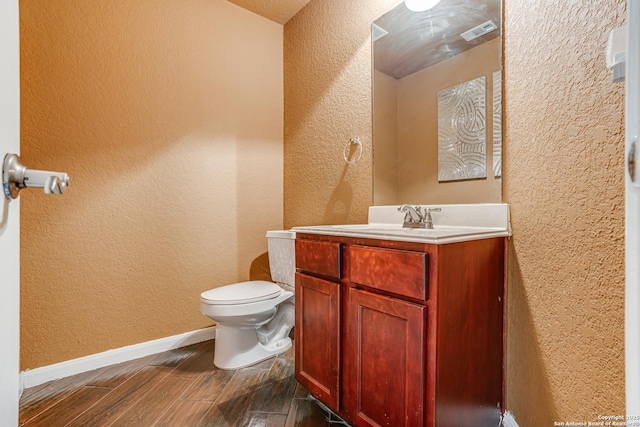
<point>239,347</point>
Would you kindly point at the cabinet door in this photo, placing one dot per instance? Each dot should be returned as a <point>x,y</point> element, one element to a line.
<point>317,337</point>
<point>384,370</point>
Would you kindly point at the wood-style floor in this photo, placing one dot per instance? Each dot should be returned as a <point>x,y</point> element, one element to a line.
<point>181,388</point>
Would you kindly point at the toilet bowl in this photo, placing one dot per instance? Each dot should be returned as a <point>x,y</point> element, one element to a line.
<point>254,318</point>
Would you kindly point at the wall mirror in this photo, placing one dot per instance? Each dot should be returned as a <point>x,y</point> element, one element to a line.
<point>437,104</point>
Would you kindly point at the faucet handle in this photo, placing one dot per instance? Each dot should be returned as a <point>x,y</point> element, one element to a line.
<point>427,213</point>
<point>427,216</point>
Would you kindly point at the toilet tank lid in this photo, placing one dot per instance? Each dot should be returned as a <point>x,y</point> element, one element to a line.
<point>241,293</point>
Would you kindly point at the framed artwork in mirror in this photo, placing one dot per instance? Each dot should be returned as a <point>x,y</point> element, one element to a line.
<point>497,124</point>
<point>462,131</point>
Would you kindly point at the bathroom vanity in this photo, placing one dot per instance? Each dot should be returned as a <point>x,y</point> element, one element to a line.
<point>402,327</point>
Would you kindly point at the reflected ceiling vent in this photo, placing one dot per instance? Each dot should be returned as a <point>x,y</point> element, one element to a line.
<point>377,33</point>
<point>478,31</point>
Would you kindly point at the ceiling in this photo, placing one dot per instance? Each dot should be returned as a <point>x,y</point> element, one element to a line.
<point>279,11</point>
<point>402,51</point>
<point>419,40</point>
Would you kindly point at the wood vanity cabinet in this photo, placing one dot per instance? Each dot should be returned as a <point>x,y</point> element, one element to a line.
<point>391,333</point>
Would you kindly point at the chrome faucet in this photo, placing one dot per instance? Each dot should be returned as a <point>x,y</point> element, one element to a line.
<point>415,218</point>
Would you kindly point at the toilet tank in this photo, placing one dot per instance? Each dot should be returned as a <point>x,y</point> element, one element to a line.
<point>282,257</point>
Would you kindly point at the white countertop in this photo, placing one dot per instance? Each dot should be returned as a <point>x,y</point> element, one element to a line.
<point>454,223</point>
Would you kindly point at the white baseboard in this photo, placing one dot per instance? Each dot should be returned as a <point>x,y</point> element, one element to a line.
<point>37,376</point>
<point>508,420</point>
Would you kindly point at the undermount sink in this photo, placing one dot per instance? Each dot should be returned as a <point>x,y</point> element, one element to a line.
<point>455,223</point>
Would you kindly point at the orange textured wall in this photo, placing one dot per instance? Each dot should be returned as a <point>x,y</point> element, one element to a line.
<point>564,179</point>
<point>327,98</point>
<point>168,118</point>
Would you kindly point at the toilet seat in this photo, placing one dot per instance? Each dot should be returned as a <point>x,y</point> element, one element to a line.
<point>241,293</point>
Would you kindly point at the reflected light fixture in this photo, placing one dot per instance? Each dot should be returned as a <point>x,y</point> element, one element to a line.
<point>420,5</point>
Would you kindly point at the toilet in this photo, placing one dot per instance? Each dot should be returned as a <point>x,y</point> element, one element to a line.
<point>254,318</point>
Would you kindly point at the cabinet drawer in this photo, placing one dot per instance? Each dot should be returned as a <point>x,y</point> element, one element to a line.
<point>323,258</point>
<point>400,272</point>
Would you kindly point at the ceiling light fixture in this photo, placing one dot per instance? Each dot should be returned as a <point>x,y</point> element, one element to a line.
<point>420,5</point>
